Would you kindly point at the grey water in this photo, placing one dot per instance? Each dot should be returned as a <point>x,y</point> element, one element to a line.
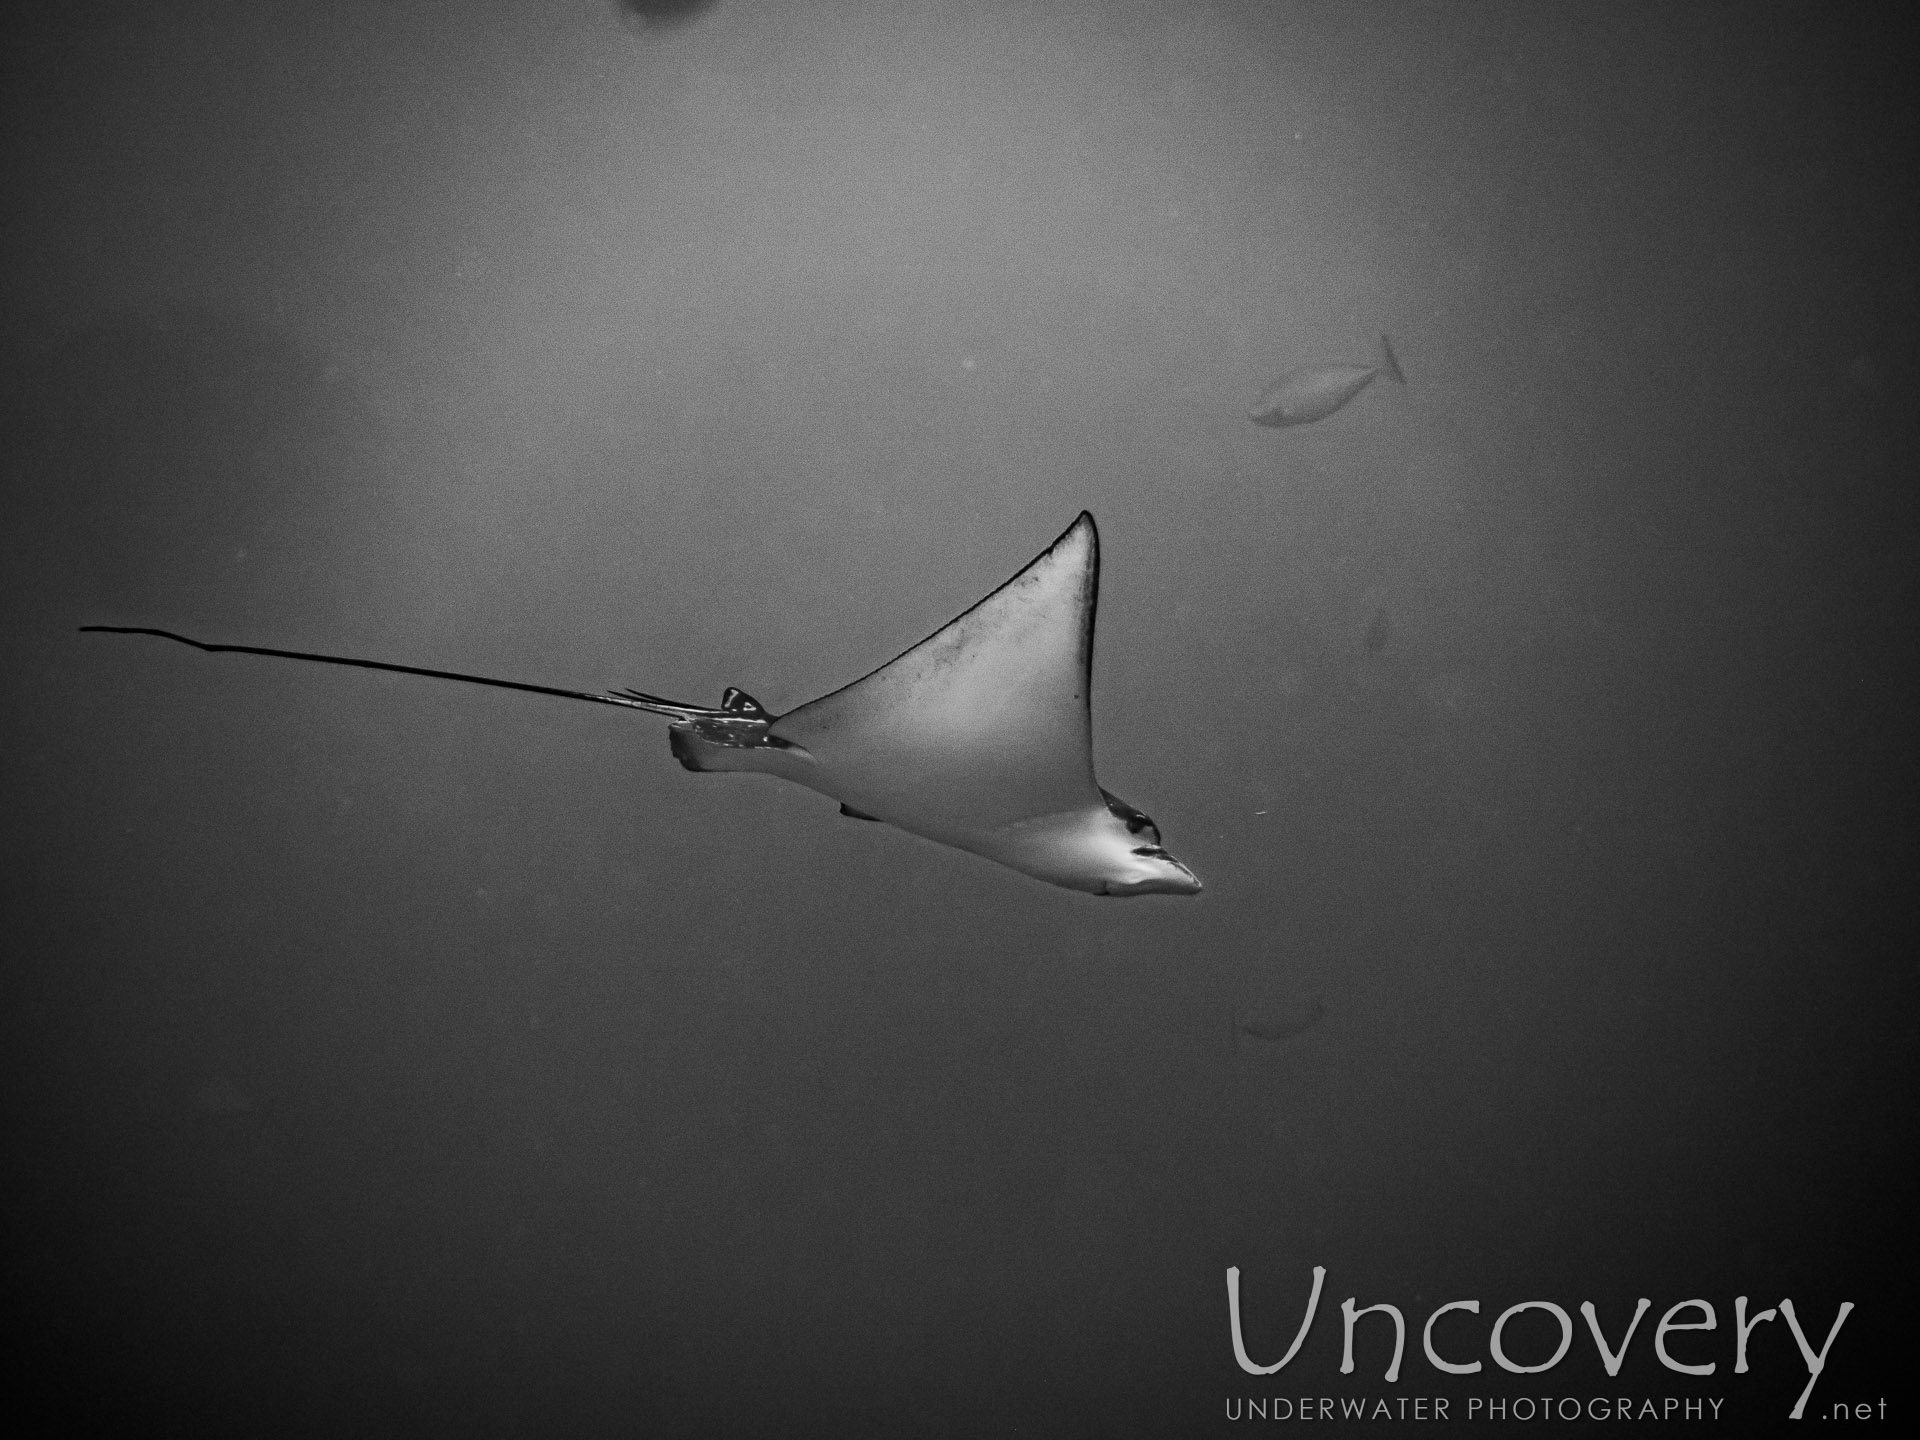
<point>387,1057</point>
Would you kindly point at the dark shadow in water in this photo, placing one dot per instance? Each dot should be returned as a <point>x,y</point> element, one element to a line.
<point>1279,1019</point>
<point>663,14</point>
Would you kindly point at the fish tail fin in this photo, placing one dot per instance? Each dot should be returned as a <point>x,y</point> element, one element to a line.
<point>1390,362</point>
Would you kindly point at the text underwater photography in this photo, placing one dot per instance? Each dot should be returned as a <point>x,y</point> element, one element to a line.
<point>1541,1347</point>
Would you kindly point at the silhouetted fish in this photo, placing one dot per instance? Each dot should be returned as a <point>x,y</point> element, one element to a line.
<point>1281,1019</point>
<point>1377,632</point>
<point>1314,392</point>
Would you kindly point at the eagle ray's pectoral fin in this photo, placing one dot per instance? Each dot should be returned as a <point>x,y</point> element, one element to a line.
<point>981,737</point>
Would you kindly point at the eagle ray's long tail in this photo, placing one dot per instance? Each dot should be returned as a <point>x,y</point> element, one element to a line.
<point>631,699</point>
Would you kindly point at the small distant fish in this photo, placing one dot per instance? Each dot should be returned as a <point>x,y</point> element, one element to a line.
<point>1377,632</point>
<point>1314,392</point>
<point>1282,1019</point>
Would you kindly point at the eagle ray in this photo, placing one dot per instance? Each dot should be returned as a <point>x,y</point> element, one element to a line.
<point>980,737</point>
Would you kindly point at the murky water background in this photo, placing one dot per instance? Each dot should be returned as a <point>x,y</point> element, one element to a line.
<point>392,1058</point>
